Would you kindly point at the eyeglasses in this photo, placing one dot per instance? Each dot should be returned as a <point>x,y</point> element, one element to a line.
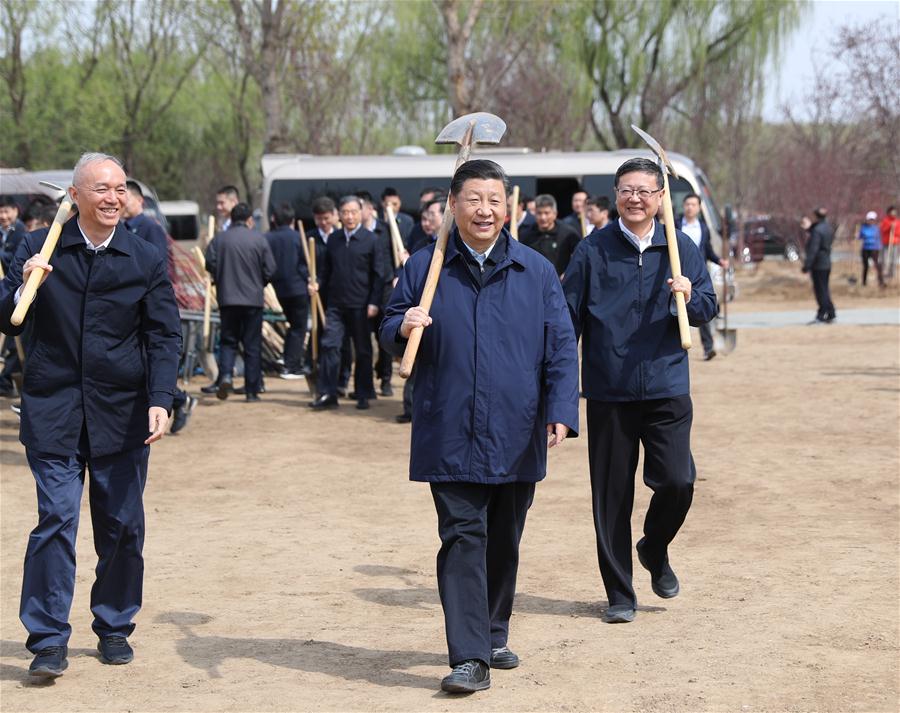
<point>642,193</point>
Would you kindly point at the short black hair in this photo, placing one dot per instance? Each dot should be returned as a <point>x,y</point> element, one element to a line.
<point>229,191</point>
<point>366,197</point>
<point>441,200</point>
<point>241,213</point>
<point>692,195</point>
<point>8,202</point>
<point>524,199</point>
<point>350,198</point>
<point>282,215</point>
<point>429,189</point>
<point>42,209</point>
<point>640,165</point>
<point>134,187</point>
<point>322,205</point>
<point>601,202</point>
<point>389,192</point>
<point>478,169</point>
<point>890,208</point>
<point>820,213</point>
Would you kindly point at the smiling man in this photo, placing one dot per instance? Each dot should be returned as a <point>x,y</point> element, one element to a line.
<point>496,384</point>
<point>635,378</point>
<point>102,342</point>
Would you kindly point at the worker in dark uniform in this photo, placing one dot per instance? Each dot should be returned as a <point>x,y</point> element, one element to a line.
<point>148,229</point>
<point>290,281</point>
<point>351,284</point>
<point>636,381</point>
<point>102,342</point>
<point>497,383</point>
<point>241,263</point>
<point>552,238</point>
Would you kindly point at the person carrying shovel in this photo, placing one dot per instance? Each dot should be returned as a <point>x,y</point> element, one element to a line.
<point>496,384</point>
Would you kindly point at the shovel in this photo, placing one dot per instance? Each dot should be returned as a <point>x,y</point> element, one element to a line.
<point>726,339</point>
<point>478,128</point>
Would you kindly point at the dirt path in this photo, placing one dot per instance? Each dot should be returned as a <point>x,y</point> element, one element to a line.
<point>290,563</point>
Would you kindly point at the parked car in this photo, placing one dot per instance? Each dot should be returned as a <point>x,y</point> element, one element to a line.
<point>771,235</point>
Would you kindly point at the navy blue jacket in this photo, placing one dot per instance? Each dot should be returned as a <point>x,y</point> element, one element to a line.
<point>706,248</point>
<point>102,342</point>
<point>9,245</point>
<point>353,271</point>
<point>145,227</point>
<point>623,310</point>
<point>291,278</point>
<point>405,224</point>
<point>497,365</point>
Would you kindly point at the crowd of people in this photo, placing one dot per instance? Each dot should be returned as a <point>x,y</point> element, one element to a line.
<point>495,382</point>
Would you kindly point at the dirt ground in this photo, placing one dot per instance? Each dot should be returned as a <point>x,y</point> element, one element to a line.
<point>290,564</point>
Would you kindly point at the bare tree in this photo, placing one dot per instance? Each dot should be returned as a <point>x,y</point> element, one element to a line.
<point>153,57</point>
<point>15,17</point>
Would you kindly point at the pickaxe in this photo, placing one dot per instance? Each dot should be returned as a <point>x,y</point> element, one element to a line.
<point>684,327</point>
<point>477,128</point>
<point>34,279</point>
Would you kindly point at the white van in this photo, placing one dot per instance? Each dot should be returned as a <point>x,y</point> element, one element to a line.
<point>301,178</point>
<point>183,218</point>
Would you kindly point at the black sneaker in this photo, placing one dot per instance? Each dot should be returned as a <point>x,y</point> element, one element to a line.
<point>210,388</point>
<point>619,614</point>
<point>467,677</point>
<point>503,658</point>
<point>49,662</point>
<point>183,414</point>
<point>115,650</point>
<point>403,418</point>
<point>225,387</point>
<point>662,579</point>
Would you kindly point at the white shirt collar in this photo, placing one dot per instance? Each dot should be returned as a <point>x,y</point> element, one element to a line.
<point>480,257</point>
<point>89,244</point>
<point>642,243</point>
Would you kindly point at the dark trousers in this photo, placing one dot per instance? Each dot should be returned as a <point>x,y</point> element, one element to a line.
<point>706,337</point>
<point>10,363</point>
<point>408,392</point>
<point>346,360</point>
<point>354,322</point>
<point>117,515</point>
<point>615,430</point>
<point>242,325</point>
<point>384,365</point>
<point>296,311</point>
<point>480,528</point>
<point>823,294</point>
<point>874,256</point>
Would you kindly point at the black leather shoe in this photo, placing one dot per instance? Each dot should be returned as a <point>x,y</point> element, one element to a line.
<point>503,658</point>
<point>619,614</point>
<point>386,389</point>
<point>252,397</point>
<point>467,677</point>
<point>362,404</point>
<point>115,650</point>
<point>225,388</point>
<point>242,390</point>
<point>324,402</point>
<point>49,662</point>
<point>210,388</point>
<point>662,578</point>
<point>183,414</point>
<point>711,354</point>
<point>403,418</point>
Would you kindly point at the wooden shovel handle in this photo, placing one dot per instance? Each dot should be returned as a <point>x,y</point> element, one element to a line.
<point>684,327</point>
<point>30,289</point>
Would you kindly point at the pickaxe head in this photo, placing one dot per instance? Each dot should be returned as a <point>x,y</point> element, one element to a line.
<point>664,162</point>
<point>486,129</point>
<point>62,191</point>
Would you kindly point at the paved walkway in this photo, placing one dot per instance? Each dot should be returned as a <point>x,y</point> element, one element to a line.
<point>767,320</point>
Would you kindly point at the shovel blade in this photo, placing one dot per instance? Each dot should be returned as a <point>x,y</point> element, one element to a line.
<point>488,129</point>
<point>725,340</point>
<point>657,148</point>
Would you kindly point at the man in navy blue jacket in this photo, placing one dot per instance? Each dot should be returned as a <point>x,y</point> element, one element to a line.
<point>691,223</point>
<point>636,380</point>
<point>351,283</point>
<point>102,343</point>
<point>496,383</point>
<point>291,284</point>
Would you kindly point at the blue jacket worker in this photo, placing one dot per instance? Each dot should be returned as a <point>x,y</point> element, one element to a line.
<point>291,283</point>
<point>635,378</point>
<point>691,223</point>
<point>351,284</point>
<point>102,342</point>
<point>496,379</point>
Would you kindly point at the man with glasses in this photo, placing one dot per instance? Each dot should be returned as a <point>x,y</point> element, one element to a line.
<point>635,378</point>
<point>102,342</point>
